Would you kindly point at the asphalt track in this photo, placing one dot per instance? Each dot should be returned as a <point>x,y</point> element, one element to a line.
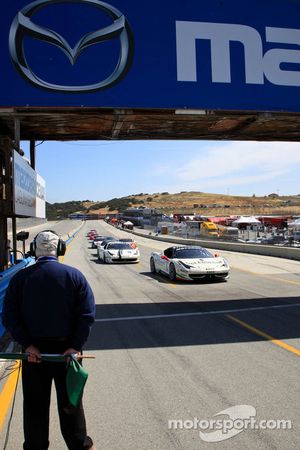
<point>183,351</point>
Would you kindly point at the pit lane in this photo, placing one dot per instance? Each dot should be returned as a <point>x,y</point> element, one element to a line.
<point>168,350</point>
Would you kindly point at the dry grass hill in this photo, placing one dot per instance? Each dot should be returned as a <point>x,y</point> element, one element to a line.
<point>203,203</point>
<point>184,202</point>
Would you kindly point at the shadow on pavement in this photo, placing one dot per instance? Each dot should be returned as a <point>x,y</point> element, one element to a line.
<point>212,326</point>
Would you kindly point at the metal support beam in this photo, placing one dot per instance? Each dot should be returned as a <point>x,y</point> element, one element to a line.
<point>5,199</point>
<point>5,177</point>
<point>14,220</point>
<point>4,253</point>
<point>17,133</point>
<point>14,238</point>
<point>32,153</point>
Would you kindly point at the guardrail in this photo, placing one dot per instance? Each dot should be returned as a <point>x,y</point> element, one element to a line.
<point>72,235</point>
<point>6,276</point>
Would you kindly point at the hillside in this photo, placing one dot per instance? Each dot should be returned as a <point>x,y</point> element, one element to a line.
<point>184,202</point>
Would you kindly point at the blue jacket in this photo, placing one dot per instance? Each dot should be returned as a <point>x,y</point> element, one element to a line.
<point>49,300</point>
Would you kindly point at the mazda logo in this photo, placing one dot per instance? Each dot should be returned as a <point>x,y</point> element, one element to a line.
<point>23,26</point>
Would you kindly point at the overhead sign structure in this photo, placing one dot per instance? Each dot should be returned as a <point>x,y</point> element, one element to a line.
<point>210,54</point>
<point>28,190</point>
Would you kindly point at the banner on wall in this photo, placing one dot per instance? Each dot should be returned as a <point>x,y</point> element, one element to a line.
<point>29,189</point>
<point>208,54</point>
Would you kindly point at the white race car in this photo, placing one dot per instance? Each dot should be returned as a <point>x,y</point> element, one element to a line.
<point>189,263</point>
<point>115,251</point>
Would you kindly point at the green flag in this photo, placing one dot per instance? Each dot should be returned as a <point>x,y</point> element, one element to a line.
<point>76,376</point>
<point>75,379</point>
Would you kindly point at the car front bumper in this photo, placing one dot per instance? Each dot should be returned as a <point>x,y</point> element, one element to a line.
<point>198,274</point>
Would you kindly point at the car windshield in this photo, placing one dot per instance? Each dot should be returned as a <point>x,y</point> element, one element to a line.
<point>190,253</point>
<point>119,246</point>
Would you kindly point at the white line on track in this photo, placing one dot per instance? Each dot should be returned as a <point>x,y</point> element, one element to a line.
<point>203,313</point>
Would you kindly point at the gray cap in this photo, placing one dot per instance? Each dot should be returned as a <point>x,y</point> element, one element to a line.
<point>46,244</point>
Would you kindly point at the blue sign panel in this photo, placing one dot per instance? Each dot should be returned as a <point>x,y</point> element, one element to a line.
<point>209,54</point>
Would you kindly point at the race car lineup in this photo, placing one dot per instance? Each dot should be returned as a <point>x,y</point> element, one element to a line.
<point>110,249</point>
<point>115,251</point>
<point>177,262</point>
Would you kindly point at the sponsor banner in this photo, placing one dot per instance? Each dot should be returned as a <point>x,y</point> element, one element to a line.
<point>40,197</point>
<point>29,189</point>
<point>210,54</point>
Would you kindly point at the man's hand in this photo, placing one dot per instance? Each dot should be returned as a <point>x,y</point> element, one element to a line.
<point>34,354</point>
<point>70,351</point>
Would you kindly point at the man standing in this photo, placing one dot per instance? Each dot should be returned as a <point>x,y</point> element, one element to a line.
<point>49,308</point>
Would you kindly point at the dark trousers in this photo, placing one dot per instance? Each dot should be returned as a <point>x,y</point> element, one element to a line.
<point>37,380</point>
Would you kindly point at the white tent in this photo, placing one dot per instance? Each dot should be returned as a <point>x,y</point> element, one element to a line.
<point>295,224</point>
<point>246,220</point>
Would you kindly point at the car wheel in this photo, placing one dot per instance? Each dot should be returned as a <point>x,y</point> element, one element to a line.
<point>152,266</point>
<point>172,272</point>
<point>104,259</point>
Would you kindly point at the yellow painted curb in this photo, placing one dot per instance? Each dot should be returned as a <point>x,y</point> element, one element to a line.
<point>8,392</point>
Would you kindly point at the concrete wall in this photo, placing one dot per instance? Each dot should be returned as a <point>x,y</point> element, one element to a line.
<point>257,249</point>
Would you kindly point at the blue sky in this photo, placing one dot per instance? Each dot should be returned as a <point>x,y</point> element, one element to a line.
<point>101,170</point>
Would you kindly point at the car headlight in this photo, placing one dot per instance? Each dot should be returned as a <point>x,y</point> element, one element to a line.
<point>225,263</point>
<point>186,266</point>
